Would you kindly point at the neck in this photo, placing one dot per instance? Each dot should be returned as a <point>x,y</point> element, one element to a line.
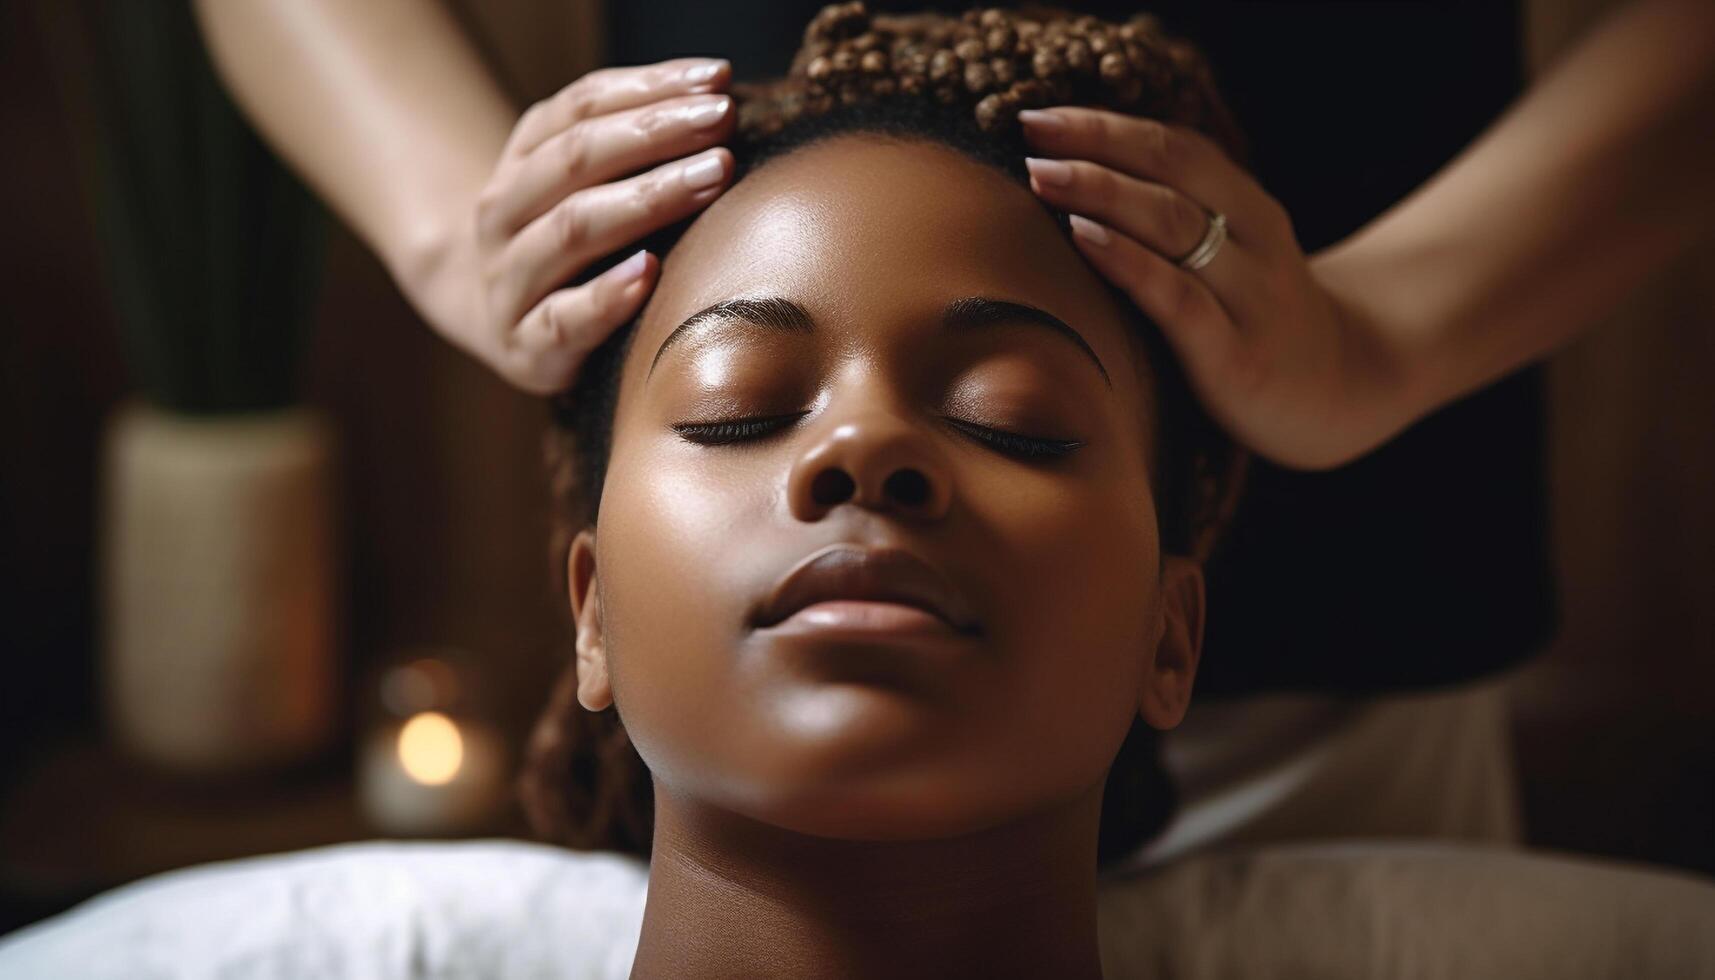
<point>731,896</point>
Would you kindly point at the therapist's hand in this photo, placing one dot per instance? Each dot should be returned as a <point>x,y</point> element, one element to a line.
<point>1275,358</point>
<point>560,199</point>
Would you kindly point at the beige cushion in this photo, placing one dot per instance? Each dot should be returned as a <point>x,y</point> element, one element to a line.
<point>1364,910</point>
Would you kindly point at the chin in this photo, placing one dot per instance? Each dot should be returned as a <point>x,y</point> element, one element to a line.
<point>878,809</point>
<point>889,775</point>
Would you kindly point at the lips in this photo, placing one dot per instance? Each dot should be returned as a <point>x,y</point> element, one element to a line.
<point>853,572</point>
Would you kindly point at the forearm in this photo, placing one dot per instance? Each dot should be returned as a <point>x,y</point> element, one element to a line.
<point>1596,178</point>
<point>382,106</point>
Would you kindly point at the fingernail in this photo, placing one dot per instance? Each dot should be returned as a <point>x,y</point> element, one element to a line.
<point>1042,119</point>
<point>631,268</point>
<point>1088,230</point>
<point>705,72</point>
<point>706,114</point>
<point>706,172</point>
<point>1054,172</point>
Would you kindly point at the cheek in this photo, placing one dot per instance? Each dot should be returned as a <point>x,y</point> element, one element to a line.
<point>1076,620</point>
<point>674,593</point>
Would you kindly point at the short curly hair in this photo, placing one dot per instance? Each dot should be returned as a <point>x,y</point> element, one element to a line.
<point>956,81</point>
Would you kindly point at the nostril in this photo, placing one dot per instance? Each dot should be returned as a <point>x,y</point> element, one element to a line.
<point>909,487</point>
<point>831,486</point>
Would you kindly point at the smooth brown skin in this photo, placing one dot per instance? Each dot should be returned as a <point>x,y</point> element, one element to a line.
<point>827,810</point>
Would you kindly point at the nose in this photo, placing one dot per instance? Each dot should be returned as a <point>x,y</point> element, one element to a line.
<point>874,458</point>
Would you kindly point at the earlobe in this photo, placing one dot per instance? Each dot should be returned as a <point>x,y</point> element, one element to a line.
<point>594,692</point>
<point>1173,668</point>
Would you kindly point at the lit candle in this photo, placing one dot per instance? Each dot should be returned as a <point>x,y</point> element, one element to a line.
<point>431,774</point>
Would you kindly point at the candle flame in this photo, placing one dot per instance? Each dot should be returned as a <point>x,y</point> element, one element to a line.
<point>430,748</point>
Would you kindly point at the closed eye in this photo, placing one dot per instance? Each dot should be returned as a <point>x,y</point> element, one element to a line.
<point>729,431</point>
<point>1013,444</point>
<point>733,430</point>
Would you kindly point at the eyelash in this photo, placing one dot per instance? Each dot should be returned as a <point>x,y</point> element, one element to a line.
<point>738,430</point>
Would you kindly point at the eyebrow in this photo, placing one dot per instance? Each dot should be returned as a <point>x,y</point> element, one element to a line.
<point>781,315</point>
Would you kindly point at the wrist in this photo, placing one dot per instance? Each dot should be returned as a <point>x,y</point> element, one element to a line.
<point>419,252</point>
<point>1404,353</point>
<point>433,265</point>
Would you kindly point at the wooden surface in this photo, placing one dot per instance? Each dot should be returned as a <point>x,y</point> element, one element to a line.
<point>84,819</point>
<point>1615,721</point>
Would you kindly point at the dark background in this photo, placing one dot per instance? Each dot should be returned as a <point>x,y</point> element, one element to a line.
<point>445,502</point>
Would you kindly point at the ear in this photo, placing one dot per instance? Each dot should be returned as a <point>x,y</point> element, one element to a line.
<point>1179,644</point>
<point>594,692</point>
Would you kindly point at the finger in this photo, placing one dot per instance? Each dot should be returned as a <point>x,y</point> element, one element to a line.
<point>549,346</point>
<point>1154,215</point>
<point>598,150</point>
<point>599,220</point>
<point>1190,317</point>
<point>608,90</point>
<point>1175,155</point>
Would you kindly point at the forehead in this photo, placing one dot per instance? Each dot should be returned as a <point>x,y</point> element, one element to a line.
<point>866,231</point>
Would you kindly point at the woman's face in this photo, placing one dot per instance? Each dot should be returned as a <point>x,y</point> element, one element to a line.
<point>1075,623</point>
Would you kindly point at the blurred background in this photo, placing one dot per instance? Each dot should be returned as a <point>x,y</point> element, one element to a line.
<point>406,489</point>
